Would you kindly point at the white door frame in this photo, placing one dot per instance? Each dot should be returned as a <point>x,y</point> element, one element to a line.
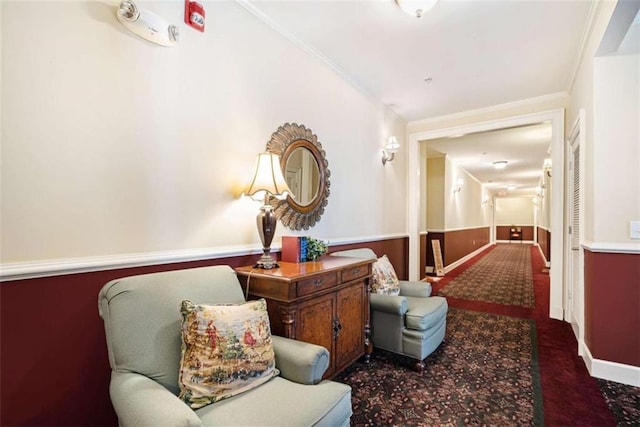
<point>416,167</point>
<point>574,273</point>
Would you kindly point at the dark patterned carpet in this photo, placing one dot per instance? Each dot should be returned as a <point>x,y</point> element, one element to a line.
<point>485,373</point>
<point>488,370</point>
<point>623,401</point>
<point>503,276</point>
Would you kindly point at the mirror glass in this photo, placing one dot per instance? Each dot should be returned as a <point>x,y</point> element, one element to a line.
<point>302,175</point>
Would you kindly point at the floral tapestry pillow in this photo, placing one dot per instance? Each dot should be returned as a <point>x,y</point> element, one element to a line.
<point>226,350</point>
<point>385,280</point>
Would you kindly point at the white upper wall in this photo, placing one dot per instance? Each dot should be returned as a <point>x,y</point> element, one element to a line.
<point>435,193</point>
<point>616,148</point>
<point>464,208</point>
<point>112,145</point>
<point>514,211</point>
<point>607,88</point>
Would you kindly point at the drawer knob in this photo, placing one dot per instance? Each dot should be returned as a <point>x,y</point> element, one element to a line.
<point>318,282</point>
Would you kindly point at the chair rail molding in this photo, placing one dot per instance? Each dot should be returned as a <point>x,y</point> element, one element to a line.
<point>58,267</point>
<point>612,247</point>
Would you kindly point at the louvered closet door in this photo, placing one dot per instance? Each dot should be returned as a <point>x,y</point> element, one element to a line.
<point>574,205</point>
<point>575,213</point>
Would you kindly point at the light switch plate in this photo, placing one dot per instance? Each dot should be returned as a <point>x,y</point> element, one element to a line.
<point>634,229</point>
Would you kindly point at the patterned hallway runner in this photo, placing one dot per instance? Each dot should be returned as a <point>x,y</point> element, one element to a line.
<point>484,373</point>
<point>503,276</point>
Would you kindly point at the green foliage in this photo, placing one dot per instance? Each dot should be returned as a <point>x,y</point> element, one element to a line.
<point>231,347</point>
<point>315,248</point>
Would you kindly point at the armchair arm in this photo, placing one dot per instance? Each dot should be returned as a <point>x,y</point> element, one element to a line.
<point>389,304</point>
<point>415,289</point>
<point>140,401</point>
<point>299,361</point>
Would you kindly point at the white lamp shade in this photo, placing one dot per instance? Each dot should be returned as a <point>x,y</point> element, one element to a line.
<point>392,145</point>
<point>267,178</point>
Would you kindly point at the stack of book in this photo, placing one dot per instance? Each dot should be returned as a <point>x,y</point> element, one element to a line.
<point>294,248</point>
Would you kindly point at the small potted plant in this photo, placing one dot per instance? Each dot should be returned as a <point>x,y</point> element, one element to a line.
<point>315,248</point>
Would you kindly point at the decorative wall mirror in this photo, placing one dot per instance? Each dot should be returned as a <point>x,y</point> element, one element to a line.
<point>306,170</point>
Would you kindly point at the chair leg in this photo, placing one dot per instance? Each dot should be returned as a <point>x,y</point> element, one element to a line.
<point>418,366</point>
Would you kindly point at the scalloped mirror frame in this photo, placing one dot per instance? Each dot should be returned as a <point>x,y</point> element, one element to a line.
<point>283,142</point>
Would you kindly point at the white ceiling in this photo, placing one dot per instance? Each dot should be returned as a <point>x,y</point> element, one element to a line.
<point>476,53</point>
<point>524,149</point>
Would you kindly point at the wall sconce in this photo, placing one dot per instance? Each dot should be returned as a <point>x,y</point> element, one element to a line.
<point>147,25</point>
<point>267,181</point>
<point>389,152</point>
<point>458,185</point>
<point>546,167</point>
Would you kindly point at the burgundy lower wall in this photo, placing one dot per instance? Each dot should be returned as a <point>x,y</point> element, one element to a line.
<point>612,306</point>
<point>457,244</point>
<point>53,359</point>
<point>397,250</point>
<point>544,241</point>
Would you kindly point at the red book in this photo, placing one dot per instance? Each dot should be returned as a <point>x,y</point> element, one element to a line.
<point>291,248</point>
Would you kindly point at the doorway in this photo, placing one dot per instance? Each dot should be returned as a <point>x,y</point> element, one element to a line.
<point>418,197</point>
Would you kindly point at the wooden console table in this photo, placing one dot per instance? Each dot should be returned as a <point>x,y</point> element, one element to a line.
<point>324,302</point>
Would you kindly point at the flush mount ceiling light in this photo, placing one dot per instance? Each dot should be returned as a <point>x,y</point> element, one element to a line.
<point>511,187</point>
<point>500,164</point>
<point>416,8</point>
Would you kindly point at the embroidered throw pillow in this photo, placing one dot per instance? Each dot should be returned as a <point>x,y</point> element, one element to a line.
<point>385,280</point>
<point>226,350</point>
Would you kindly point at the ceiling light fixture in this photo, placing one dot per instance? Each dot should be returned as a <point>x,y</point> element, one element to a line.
<point>416,8</point>
<point>511,187</point>
<point>500,164</point>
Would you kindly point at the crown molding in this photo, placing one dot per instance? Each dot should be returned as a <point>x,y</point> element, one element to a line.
<point>584,40</point>
<point>248,5</point>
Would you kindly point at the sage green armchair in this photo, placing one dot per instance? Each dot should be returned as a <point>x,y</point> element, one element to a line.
<point>142,323</point>
<point>412,323</point>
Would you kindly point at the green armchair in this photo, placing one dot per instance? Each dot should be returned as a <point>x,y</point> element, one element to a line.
<point>142,323</point>
<point>412,323</point>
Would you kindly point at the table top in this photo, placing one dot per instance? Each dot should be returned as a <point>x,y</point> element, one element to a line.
<point>296,270</point>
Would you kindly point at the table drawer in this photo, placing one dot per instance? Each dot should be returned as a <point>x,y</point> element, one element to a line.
<point>353,273</point>
<point>318,283</point>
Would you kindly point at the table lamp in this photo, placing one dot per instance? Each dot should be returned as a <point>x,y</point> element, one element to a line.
<point>267,181</point>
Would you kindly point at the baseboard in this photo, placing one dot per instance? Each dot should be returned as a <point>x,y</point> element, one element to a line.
<point>466,258</point>
<point>611,371</point>
<point>544,258</point>
<point>556,313</point>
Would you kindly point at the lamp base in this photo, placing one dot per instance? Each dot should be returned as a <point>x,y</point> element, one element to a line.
<point>266,262</point>
<point>267,222</point>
